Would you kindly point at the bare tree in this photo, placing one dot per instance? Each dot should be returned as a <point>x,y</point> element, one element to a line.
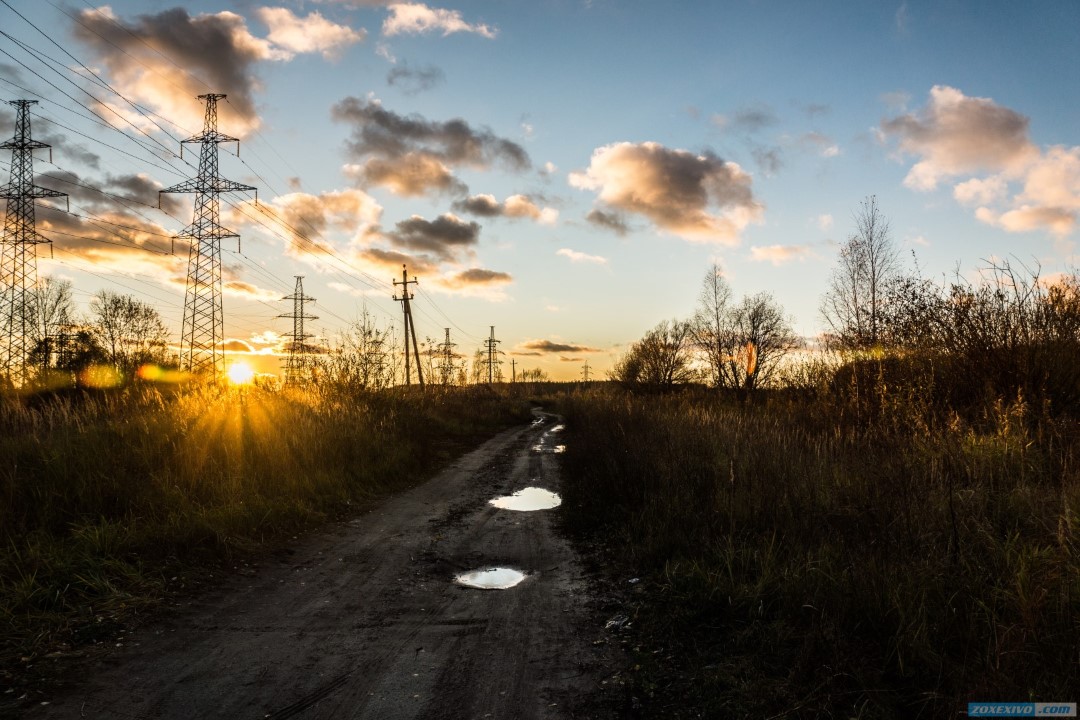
<point>128,330</point>
<point>855,304</point>
<point>759,339</point>
<point>711,323</point>
<point>660,359</point>
<point>363,357</point>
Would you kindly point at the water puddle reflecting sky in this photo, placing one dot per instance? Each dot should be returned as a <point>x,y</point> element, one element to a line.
<point>531,498</point>
<point>491,579</point>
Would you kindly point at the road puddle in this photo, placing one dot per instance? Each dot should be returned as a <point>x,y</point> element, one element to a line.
<point>542,448</point>
<point>531,498</point>
<point>490,579</point>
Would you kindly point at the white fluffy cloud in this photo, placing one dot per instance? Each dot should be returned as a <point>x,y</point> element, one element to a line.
<point>419,19</point>
<point>310,34</point>
<point>958,135</point>
<point>697,197</point>
<point>1012,183</point>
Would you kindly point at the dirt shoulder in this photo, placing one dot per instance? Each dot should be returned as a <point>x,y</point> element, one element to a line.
<point>365,621</point>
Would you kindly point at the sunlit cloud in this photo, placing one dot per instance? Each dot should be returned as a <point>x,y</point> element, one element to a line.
<point>413,156</point>
<point>446,237</point>
<point>310,34</point>
<point>780,254</point>
<point>580,257</point>
<point>515,206</point>
<point>158,59</point>
<point>308,220</point>
<point>1014,185</point>
<point>544,346</point>
<point>419,19</point>
<point>956,134</point>
<point>697,197</point>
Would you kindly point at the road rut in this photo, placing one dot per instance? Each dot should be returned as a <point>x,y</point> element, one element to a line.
<point>365,621</point>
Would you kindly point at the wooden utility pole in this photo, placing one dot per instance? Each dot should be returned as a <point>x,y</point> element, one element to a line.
<point>410,326</point>
<point>513,370</point>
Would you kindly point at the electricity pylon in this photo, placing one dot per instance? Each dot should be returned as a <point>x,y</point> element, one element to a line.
<point>298,363</point>
<point>410,326</point>
<point>201,339</point>
<point>492,361</point>
<point>446,366</point>
<point>585,372</point>
<point>18,265</point>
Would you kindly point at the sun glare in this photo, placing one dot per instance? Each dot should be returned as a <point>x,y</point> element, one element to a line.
<point>240,373</point>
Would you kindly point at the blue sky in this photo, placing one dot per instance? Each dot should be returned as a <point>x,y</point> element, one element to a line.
<point>477,139</point>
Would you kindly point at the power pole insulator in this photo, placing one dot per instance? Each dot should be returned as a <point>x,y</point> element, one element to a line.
<point>298,363</point>
<point>410,326</point>
<point>203,332</point>
<point>18,263</point>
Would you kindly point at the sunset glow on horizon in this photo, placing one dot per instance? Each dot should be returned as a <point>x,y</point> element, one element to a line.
<point>565,171</point>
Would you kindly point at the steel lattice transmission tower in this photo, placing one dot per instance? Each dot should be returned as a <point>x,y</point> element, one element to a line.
<point>494,372</point>
<point>446,366</point>
<point>18,265</point>
<point>203,331</point>
<point>298,363</point>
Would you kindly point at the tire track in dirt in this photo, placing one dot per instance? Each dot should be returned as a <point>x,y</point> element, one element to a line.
<point>365,621</point>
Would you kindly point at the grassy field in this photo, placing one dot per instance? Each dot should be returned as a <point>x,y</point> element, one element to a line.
<point>111,502</point>
<point>827,553</point>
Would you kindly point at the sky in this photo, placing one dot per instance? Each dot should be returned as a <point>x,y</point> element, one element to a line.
<point>566,171</point>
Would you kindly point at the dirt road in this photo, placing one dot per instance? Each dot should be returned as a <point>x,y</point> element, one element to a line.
<point>366,620</point>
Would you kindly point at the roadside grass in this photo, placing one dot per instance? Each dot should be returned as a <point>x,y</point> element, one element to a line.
<point>107,499</point>
<point>803,556</point>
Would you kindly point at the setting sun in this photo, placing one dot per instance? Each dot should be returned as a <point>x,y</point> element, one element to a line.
<point>240,373</point>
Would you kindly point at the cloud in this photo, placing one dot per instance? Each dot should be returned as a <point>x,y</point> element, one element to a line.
<point>697,197</point>
<point>956,134</point>
<point>551,346</point>
<point>445,237</point>
<point>411,155</point>
<point>747,120</point>
<point>821,143</point>
<point>824,222</point>
<point>419,19</point>
<point>978,191</point>
<point>769,159</point>
<point>475,282</point>
<point>411,175</point>
<point>780,254</point>
<point>310,34</point>
<point>392,260</point>
<point>1012,183</point>
<point>515,206</point>
<point>579,257</point>
<point>307,218</point>
<point>413,81</point>
<point>609,220</point>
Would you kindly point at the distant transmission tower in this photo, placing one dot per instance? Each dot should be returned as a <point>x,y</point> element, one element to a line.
<point>492,361</point>
<point>446,366</point>
<point>18,265</point>
<point>410,326</point>
<point>201,348</point>
<point>585,372</point>
<point>298,364</point>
